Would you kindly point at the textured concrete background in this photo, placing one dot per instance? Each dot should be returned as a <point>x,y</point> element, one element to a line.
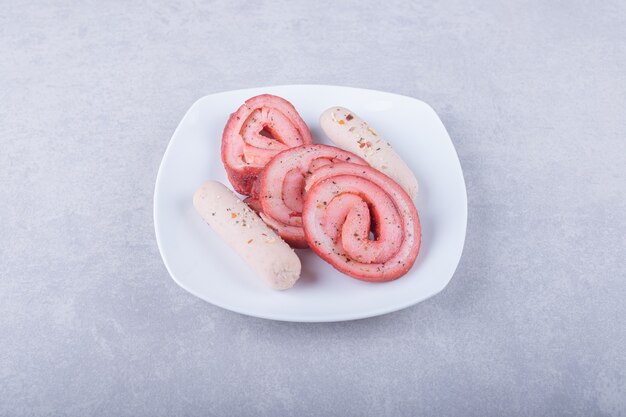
<point>533,323</point>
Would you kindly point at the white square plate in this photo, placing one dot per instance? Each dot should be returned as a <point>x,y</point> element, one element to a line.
<point>200,263</point>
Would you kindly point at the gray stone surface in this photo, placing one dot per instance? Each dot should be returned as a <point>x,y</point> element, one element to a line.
<point>534,96</point>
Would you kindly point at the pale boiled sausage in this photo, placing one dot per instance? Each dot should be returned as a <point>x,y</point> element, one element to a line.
<point>350,132</point>
<point>244,231</point>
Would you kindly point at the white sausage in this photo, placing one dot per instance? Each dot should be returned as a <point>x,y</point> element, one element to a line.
<point>244,231</point>
<point>348,131</point>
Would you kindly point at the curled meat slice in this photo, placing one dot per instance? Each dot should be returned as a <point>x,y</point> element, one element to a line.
<point>254,204</point>
<point>262,127</point>
<point>361,222</point>
<point>281,188</point>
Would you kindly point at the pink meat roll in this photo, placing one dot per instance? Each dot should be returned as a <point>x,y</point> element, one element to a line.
<point>262,127</point>
<point>281,186</point>
<point>343,204</point>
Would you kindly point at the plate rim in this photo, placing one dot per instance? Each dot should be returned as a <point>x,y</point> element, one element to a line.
<point>289,317</point>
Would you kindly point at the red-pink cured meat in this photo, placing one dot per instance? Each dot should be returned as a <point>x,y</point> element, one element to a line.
<point>262,127</point>
<point>343,204</point>
<point>281,190</point>
<point>253,203</point>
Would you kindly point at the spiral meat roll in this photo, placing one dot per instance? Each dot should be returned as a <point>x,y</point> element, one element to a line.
<point>281,186</point>
<point>361,222</point>
<point>261,128</point>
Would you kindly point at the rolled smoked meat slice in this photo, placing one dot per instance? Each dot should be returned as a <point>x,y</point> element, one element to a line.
<point>281,190</point>
<point>343,204</point>
<point>254,204</point>
<point>262,127</point>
